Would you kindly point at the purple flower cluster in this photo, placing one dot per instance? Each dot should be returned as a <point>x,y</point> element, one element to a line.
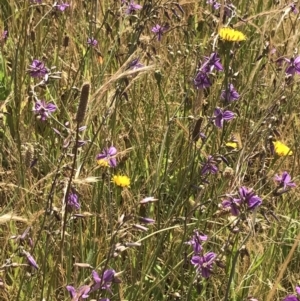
<point>209,167</point>
<point>104,282</point>
<point>37,69</point>
<point>247,199</point>
<point>202,262</point>
<point>43,110</point>
<point>211,63</point>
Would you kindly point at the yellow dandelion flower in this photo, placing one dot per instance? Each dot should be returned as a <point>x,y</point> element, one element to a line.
<point>103,162</point>
<point>281,149</point>
<point>232,144</point>
<point>232,35</point>
<point>122,181</point>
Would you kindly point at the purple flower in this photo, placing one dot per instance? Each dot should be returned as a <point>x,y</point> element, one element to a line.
<point>135,64</point>
<point>204,264</point>
<point>284,180</point>
<point>132,7</point>
<point>209,166</point>
<point>92,42</point>
<point>62,6</point>
<point>159,31</point>
<point>73,201</point>
<point>4,35</point>
<point>230,94</point>
<point>105,282</point>
<point>220,116</point>
<point>294,66</point>
<point>37,69</point>
<point>146,220</point>
<point>30,259</point>
<point>294,8</point>
<point>249,197</point>
<point>290,298</point>
<point>233,204</point>
<point>202,81</point>
<point>107,157</point>
<point>297,290</point>
<point>214,3</point>
<point>196,241</point>
<point>80,293</point>
<point>43,109</point>
<point>212,62</point>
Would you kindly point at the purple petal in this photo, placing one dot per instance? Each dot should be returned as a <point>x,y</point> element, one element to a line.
<point>71,290</point>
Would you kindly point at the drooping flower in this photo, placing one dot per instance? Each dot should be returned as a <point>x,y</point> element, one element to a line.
<point>284,180</point>
<point>37,69</point>
<point>92,42</point>
<point>249,197</point>
<point>294,65</point>
<point>73,201</point>
<point>107,157</point>
<point>122,181</point>
<point>132,8</point>
<point>62,6</point>
<point>104,282</point>
<point>204,264</point>
<point>231,35</point>
<point>221,115</point>
<point>281,149</point>
<point>212,62</point>
<point>159,31</point>
<point>30,259</point>
<point>233,204</point>
<point>209,167</point>
<point>230,94</point>
<point>196,242</point>
<point>43,109</point>
<point>202,81</point>
<point>80,293</point>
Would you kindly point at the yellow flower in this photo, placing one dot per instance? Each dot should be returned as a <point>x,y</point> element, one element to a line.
<point>232,35</point>
<point>103,162</point>
<point>122,181</point>
<point>281,149</point>
<point>232,144</point>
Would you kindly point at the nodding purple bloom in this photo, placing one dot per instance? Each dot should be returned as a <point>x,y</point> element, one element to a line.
<point>284,180</point>
<point>31,260</point>
<point>92,42</point>
<point>132,7</point>
<point>209,166</point>
<point>80,293</point>
<point>202,81</point>
<point>249,197</point>
<point>105,282</point>
<point>196,241</point>
<point>73,201</point>
<point>214,3</point>
<point>37,69</point>
<point>135,64</point>
<point>294,66</point>
<point>108,156</point>
<point>230,94</point>
<point>220,116</point>
<point>204,264</point>
<point>159,31</point>
<point>43,109</point>
<point>233,204</point>
<point>62,6</point>
<point>212,62</point>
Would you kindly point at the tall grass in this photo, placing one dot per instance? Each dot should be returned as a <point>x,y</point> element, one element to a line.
<point>152,115</point>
